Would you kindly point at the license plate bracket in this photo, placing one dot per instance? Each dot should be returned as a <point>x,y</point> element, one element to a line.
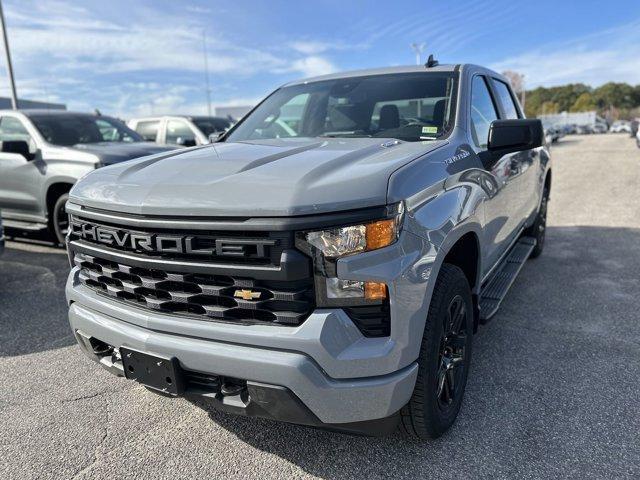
<point>154,371</point>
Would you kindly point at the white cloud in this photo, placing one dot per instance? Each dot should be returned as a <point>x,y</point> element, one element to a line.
<point>79,55</point>
<point>310,48</point>
<point>313,66</point>
<point>593,59</point>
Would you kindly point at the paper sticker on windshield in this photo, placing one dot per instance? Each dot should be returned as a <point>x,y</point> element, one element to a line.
<point>430,130</point>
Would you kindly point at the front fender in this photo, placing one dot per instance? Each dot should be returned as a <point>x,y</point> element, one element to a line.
<point>411,265</point>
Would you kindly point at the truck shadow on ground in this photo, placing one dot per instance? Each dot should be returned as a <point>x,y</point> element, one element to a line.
<point>564,315</point>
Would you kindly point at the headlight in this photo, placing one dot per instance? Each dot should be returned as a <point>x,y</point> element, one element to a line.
<point>338,242</point>
<point>329,245</point>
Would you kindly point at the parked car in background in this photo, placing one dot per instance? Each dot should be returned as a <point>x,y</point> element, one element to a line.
<point>44,152</point>
<point>620,126</point>
<point>584,130</point>
<point>600,128</point>
<point>184,131</point>
<point>572,129</point>
<point>634,126</point>
<point>552,134</point>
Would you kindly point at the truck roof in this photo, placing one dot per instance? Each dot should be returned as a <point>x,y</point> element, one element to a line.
<point>376,71</point>
<point>392,70</point>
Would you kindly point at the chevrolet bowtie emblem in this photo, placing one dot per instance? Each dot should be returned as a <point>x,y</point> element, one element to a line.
<point>247,294</point>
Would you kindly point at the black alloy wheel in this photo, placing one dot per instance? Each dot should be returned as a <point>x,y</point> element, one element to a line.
<point>444,360</point>
<point>451,362</point>
<point>539,228</point>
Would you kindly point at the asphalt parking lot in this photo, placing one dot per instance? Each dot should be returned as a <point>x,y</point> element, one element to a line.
<point>553,392</point>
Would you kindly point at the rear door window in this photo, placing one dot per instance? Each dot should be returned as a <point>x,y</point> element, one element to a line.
<point>506,100</point>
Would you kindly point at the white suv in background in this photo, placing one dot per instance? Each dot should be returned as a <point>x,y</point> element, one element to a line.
<point>186,131</point>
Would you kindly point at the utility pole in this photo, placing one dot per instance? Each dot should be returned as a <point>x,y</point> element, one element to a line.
<point>206,71</point>
<point>418,48</point>
<point>14,96</point>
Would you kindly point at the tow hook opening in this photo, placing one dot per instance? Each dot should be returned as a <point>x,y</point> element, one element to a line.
<point>100,348</point>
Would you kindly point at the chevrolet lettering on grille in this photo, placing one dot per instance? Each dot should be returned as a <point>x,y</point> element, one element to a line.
<point>167,244</point>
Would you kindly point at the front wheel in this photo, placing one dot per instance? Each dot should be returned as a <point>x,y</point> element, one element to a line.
<point>59,220</point>
<point>445,356</point>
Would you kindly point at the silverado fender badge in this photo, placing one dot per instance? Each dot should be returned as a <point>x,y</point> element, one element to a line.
<point>247,294</point>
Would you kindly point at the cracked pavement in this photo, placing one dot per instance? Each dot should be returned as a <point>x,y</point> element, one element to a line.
<point>553,389</point>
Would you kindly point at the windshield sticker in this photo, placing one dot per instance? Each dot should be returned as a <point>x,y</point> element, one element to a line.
<point>429,133</point>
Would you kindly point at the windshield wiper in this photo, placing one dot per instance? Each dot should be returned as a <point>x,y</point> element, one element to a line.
<point>343,135</point>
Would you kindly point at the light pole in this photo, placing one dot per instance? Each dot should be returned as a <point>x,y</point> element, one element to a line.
<point>14,96</point>
<point>418,48</point>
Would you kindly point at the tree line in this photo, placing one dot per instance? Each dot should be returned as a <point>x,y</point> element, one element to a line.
<point>611,100</point>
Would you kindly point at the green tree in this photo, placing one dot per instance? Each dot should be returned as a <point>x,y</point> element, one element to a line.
<point>584,103</point>
<point>616,95</point>
<point>549,107</point>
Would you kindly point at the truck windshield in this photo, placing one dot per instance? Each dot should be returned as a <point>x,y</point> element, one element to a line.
<point>72,129</point>
<point>407,106</point>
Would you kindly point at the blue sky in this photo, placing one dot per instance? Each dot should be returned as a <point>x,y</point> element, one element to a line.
<point>141,57</point>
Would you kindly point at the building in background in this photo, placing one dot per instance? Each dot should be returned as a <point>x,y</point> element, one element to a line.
<point>5,103</point>
<point>574,118</point>
<point>236,113</point>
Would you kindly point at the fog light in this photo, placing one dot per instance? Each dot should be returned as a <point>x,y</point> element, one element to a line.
<point>338,288</point>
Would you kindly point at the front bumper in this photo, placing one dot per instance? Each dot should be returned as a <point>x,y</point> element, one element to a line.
<point>332,401</point>
<point>326,364</point>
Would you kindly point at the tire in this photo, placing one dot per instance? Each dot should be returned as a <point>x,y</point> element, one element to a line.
<point>445,357</point>
<point>58,220</point>
<point>539,228</point>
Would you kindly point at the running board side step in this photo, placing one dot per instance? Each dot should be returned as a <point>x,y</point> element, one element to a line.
<point>22,225</point>
<point>496,287</point>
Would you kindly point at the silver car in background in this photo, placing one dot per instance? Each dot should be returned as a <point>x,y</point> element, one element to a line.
<point>184,131</point>
<point>43,153</point>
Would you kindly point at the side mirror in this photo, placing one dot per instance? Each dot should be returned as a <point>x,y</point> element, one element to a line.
<point>18,147</point>
<point>186,142</point>
<point>507,136</point>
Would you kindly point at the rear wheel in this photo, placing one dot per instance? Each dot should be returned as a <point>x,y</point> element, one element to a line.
<point>445,356</point>
<point>58,219</point>
<point>539,228</point>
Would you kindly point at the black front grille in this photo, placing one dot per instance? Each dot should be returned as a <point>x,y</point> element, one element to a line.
<point>234,247</point>
<point>203,296</point>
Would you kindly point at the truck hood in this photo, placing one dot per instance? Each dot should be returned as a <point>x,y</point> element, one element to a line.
<point>114,152</point>
<point>280,177</point>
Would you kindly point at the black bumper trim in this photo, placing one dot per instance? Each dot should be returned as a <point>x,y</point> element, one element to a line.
<point>281,404</point>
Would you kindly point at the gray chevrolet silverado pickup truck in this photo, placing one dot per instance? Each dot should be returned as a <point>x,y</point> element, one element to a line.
<point>329,274</point>
<point>44,152</point>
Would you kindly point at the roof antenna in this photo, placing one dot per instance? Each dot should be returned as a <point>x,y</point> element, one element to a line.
<point>97,112</point>
<point>431,62</point>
